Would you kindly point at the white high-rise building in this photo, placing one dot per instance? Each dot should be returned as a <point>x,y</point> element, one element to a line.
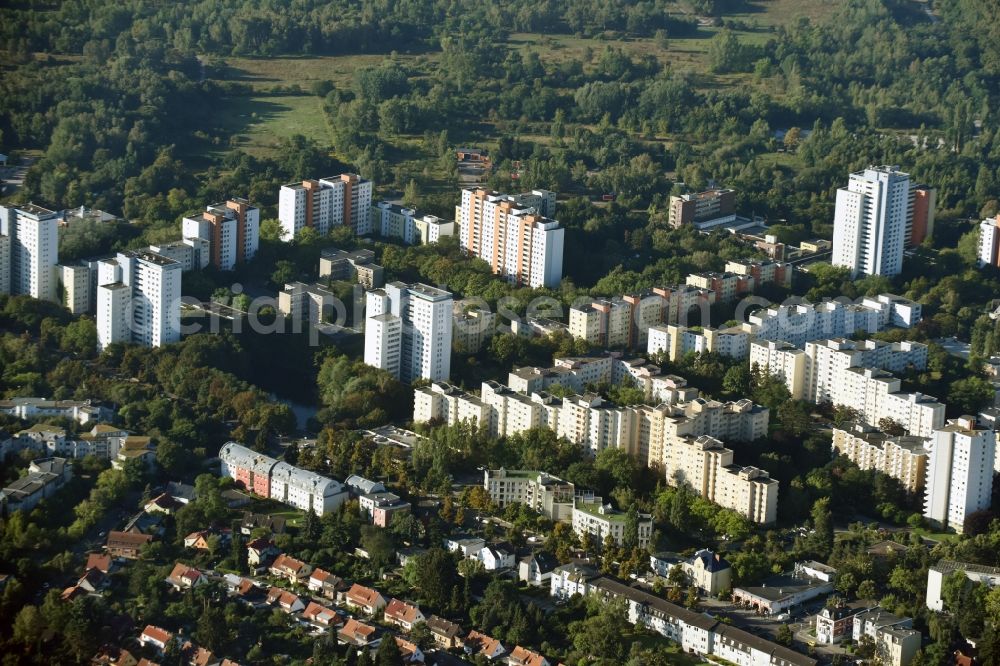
<point>408,330</point>
<point>75,281</point>
<point>34,250</point>
<point>514,234</point>
<point>989,242</point>
<point>325,203</point>
<point>4,262</point>
<point>232,230</point>
<point>872,221</point>
<point>959,472</point>
<point>138,300</point>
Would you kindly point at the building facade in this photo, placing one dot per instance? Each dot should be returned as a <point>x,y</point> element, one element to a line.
<point>33,246</point>
<point>872,221</point>
<point>515,234</point>
<point>139,300</point>
<point>700,207</point>
<point>232,230</point>
<point>903,458</point>
<point>74,280</point>
<point>989,242</point>
<point>959,473</point>
<point>325,203</point>
<point>280,481</point>
<point>549,495</point>
<point>408,331</point>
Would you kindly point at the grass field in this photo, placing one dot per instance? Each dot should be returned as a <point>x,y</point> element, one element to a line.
<point>256,122</point>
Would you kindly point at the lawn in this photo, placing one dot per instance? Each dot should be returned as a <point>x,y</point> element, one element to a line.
<point>266,73</point>
<point>255,124</point>
<point>293,517</point>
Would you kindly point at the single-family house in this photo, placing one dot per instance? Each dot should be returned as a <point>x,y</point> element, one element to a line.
<point>285,600</point>
<point>253,521</point>
<point>481,644</point>
<point>356,633</point>
<point>469,547</point>
<point>409,652</point>
<point>261,553</point>
<point>156,637</point>
<point>536,569</point>
<point>326,584</point>
<point>289,568</point>
<point>520,656</point>
<point>92,581</point>
<point>496,556</point>
<point>365,599</point>
<point>184,577</point>
<point>321,615</point>
<point>402,614</point>
<point>101,562</point>
<point>198,540</point>
<point>249,593</point>
<point>446,634</point>
<point>127,545</point>
<point>163,503</point>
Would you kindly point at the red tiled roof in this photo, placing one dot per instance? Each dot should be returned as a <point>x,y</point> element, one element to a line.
<point>486,644</point>
<point>402,611</point>
<point>357,630</point>
<point>127,539</point>
<point>363,596</point>
<point>287,562</point>
<point>183,572</point>
<point>157,634</point>
<point>98,561</point>
<point>526,657</point>
<point>321,614</point>
<point>320,575</point>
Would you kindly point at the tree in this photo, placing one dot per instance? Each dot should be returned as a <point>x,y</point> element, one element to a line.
<point>411,194</point>
<point>388,653</point>
<point>379,546</point>
<point>970,394</point>
<point>602,634</point>
<point>211,631</point>
<point>630,534</point>
<point>437,576</point>
<point>725,53</point>
<point>891,427</point>
<point>784,635</point>
<point>822,519</point>
<point>792,137</point>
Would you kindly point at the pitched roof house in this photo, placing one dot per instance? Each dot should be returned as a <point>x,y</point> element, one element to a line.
<point>321,615</point>
<point>520,656</point>
<point>155,636</point>
<point>261,553</point>
<point>356,633</point>
<point>127,545</point>
<point>446,634</point>
<point>403,614</point>
<point>100,561</point>
<point>488,647</point>
<point>410,653</point>
<point>325,583</point>
<point>163,503</point>
<point>198,540</point>
<point>184,577</point>
<point>537,568</point>
<point>365,598</point>
<point>286,601</point>
<point>285,566</point>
